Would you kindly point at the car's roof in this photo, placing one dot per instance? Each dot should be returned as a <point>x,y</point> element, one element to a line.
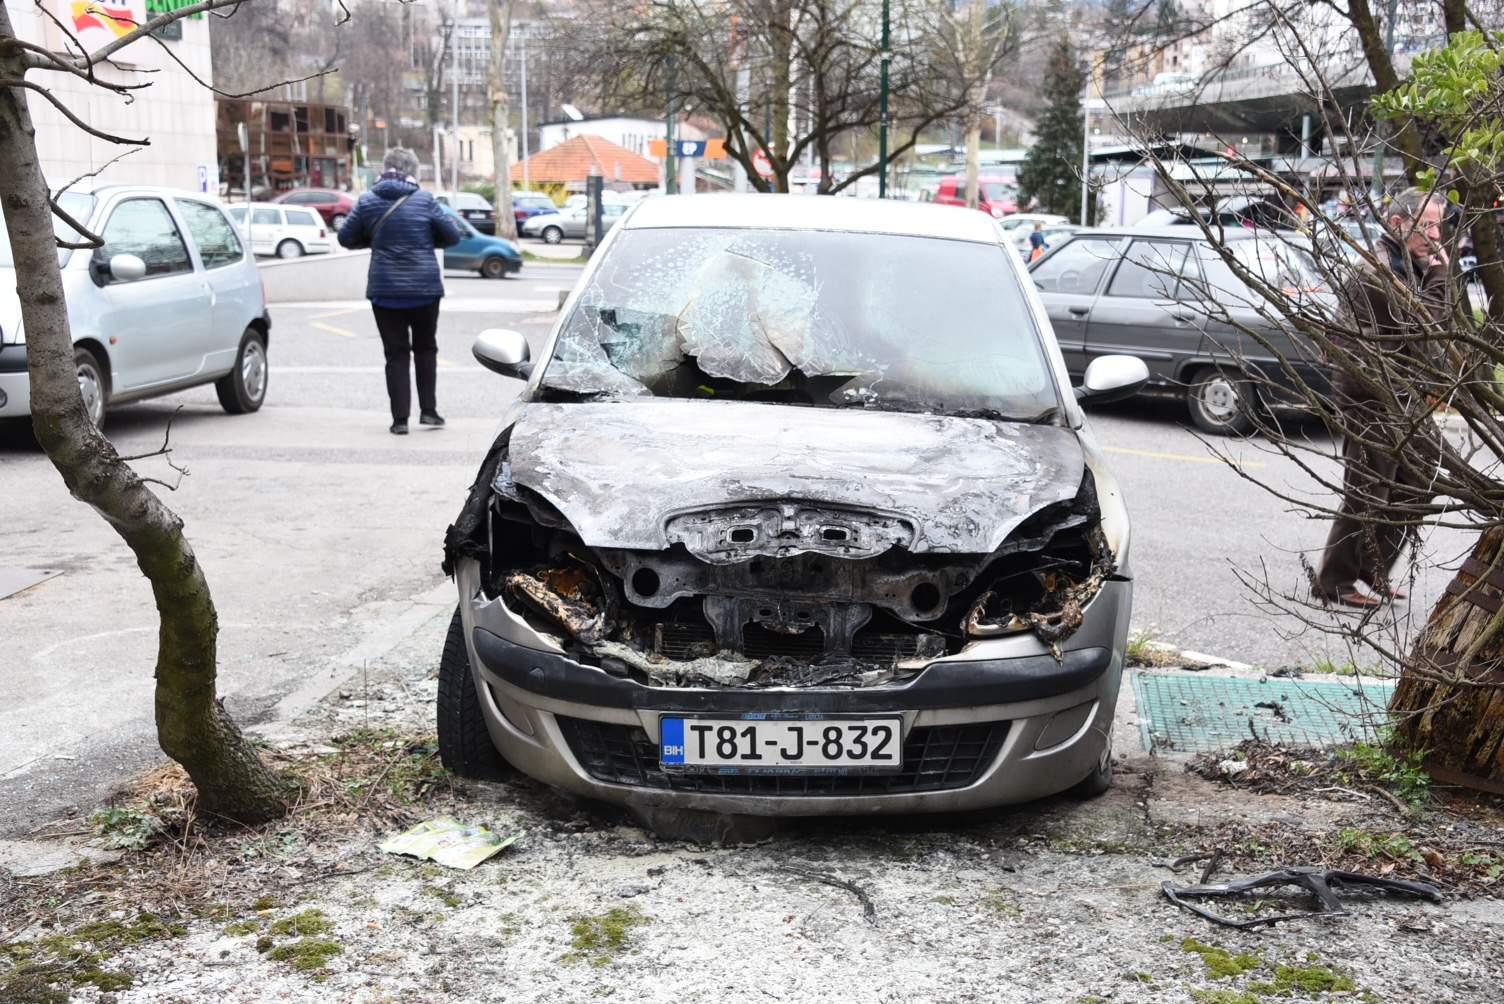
<point>813,212</point>
<point>1184,231</point>
<point>101,191</point>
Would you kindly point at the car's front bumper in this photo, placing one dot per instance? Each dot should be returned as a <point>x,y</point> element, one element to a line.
<point>998,724</point>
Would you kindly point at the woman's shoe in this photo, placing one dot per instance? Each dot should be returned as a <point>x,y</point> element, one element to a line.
<point>399,428</point>
<point>432,418</point>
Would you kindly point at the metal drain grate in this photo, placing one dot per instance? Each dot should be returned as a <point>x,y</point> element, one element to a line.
<point>1198,712</point>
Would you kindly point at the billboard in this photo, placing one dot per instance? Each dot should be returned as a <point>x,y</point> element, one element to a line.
<point>97,23</point>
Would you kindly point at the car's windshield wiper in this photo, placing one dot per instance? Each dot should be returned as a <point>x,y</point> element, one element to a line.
<point>992,414</point>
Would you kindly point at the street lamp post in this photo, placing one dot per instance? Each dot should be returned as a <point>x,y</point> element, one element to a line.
<point>1085,152</point>
<point>1378,155</point>
<point>882,114</point>
<point>526,185</point>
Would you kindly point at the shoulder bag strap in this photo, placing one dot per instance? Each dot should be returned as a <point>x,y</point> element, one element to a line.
<point>377,228</point>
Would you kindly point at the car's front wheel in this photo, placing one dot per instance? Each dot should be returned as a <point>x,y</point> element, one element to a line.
<point>1221,403</point>
<point>552,235</point>
<point>243,389</point>
<point>289,249</point>
<point>336,221</point>
<point>494,268</point>
<point>1100,779</point>
<point>465,746</point>
<point>92,384</point>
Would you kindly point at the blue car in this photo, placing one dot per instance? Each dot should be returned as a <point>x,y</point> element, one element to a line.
<point>492,257</point>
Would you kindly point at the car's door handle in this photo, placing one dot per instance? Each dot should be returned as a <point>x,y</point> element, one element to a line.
<point>1079,311</point>
<point>1183,316</point>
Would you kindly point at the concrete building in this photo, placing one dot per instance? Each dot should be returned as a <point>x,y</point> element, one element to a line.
<point>175,113</point>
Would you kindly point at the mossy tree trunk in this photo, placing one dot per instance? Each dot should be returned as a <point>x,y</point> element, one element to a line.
<point>1450,699</point>
<point>192,726</point>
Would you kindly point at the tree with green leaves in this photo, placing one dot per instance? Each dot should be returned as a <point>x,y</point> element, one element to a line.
<point>1052,171</point>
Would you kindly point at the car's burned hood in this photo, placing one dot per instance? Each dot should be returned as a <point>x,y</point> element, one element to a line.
<point>621,472</point>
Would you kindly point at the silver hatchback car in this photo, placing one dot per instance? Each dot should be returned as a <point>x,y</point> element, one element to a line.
<point>797,514</point>
<point>172,300</point>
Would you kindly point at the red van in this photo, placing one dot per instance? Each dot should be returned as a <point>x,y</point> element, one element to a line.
<point>997,196</point>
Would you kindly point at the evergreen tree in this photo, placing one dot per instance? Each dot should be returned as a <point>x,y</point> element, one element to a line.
<point>1051,172</point>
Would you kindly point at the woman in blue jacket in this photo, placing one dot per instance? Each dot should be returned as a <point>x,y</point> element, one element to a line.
<point>403,225</point>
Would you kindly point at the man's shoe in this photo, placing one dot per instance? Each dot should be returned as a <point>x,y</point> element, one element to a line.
<point>1353,598</point>
<point>1390,593</point>
<point>432,418</point>
<point>399,428</point>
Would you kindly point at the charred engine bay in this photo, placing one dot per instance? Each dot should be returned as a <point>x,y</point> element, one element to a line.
<point>785,592</point>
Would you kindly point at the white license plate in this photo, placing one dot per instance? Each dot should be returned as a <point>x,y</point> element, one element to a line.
<point>782,745</point>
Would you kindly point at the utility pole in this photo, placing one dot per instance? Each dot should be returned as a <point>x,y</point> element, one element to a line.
<point>526,185</point>
<point>1378,155</point>
<point>882,113</point>
<point>670,185</point>
<point>454,107</point>
<point>500,12</point>
<point>1085,150</point>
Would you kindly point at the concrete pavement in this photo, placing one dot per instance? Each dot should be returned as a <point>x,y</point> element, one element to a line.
<point>320,534</point>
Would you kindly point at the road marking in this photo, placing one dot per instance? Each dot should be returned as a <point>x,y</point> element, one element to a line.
<point>336,313</point>
<point>453,305</point>
<point>332,329</point>
<point>351,370</point>
<point>1185,457</point>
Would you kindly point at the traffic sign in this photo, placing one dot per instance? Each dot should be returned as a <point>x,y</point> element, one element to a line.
<point>761,162</point>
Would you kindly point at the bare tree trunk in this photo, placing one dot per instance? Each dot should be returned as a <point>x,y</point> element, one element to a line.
<point>1462,726</point>
<point>1381,64</point>
<point>192,726</point>
<point>781,37</point>
<point>973,162</point>
<point>501,29</point>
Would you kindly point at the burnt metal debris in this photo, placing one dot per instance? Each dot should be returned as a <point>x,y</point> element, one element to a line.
<point>1322,884</point>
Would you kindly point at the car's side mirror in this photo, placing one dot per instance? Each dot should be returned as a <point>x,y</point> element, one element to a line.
<point>1112,378</point>
<point>503,351</point>
<point>117,268</point>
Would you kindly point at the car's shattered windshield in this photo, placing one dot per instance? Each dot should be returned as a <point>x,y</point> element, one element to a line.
<point>805,317</point>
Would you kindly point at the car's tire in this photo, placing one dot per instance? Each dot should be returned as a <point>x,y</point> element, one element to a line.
<point>243,389</point>
<point>494,268</point>
<point>465,747</point>
<point>1220,403</point>
<point>552,235</point>
<point>1100,779</point>
<point>336,221</point>
<point>93,384</point>
<point>289,249</point>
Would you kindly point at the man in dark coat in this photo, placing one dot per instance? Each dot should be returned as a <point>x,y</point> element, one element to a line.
<point>403,226</point>
<point>1377,520</point>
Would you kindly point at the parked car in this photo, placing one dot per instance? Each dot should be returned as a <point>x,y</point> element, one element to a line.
<point>997,197</point>
<point>529,204</point>
<point>1053,234</point>
<point>472,208</point>
<point>492,257</point>
<point>1148,291</point>
<point>745,544</point>
<point>1014,221</point>
<point>284,231</point>
<point>554,227</point>
<point>172,300</point>
<point>331,205</point>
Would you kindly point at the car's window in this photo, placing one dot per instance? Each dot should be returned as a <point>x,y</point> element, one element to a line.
<point>144,228</point>
<point>77,205</point>
<point>1283,267</point>
<point>1150,270</point>
<point>302,218</point>
<point>996,191</point>
<point>217,244</point>
<point>237,213</point>
<point>820,318</point>
<point>1076,267</point>
<point>266,217</point>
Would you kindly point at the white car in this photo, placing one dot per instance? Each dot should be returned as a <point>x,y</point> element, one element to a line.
<point>1014,221</point>
<point>281,230</point>
<point>172,300</point>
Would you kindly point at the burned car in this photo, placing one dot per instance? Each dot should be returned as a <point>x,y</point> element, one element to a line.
<point>797,513</point>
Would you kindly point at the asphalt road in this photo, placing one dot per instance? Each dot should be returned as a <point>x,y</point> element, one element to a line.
<point>320,535</point>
